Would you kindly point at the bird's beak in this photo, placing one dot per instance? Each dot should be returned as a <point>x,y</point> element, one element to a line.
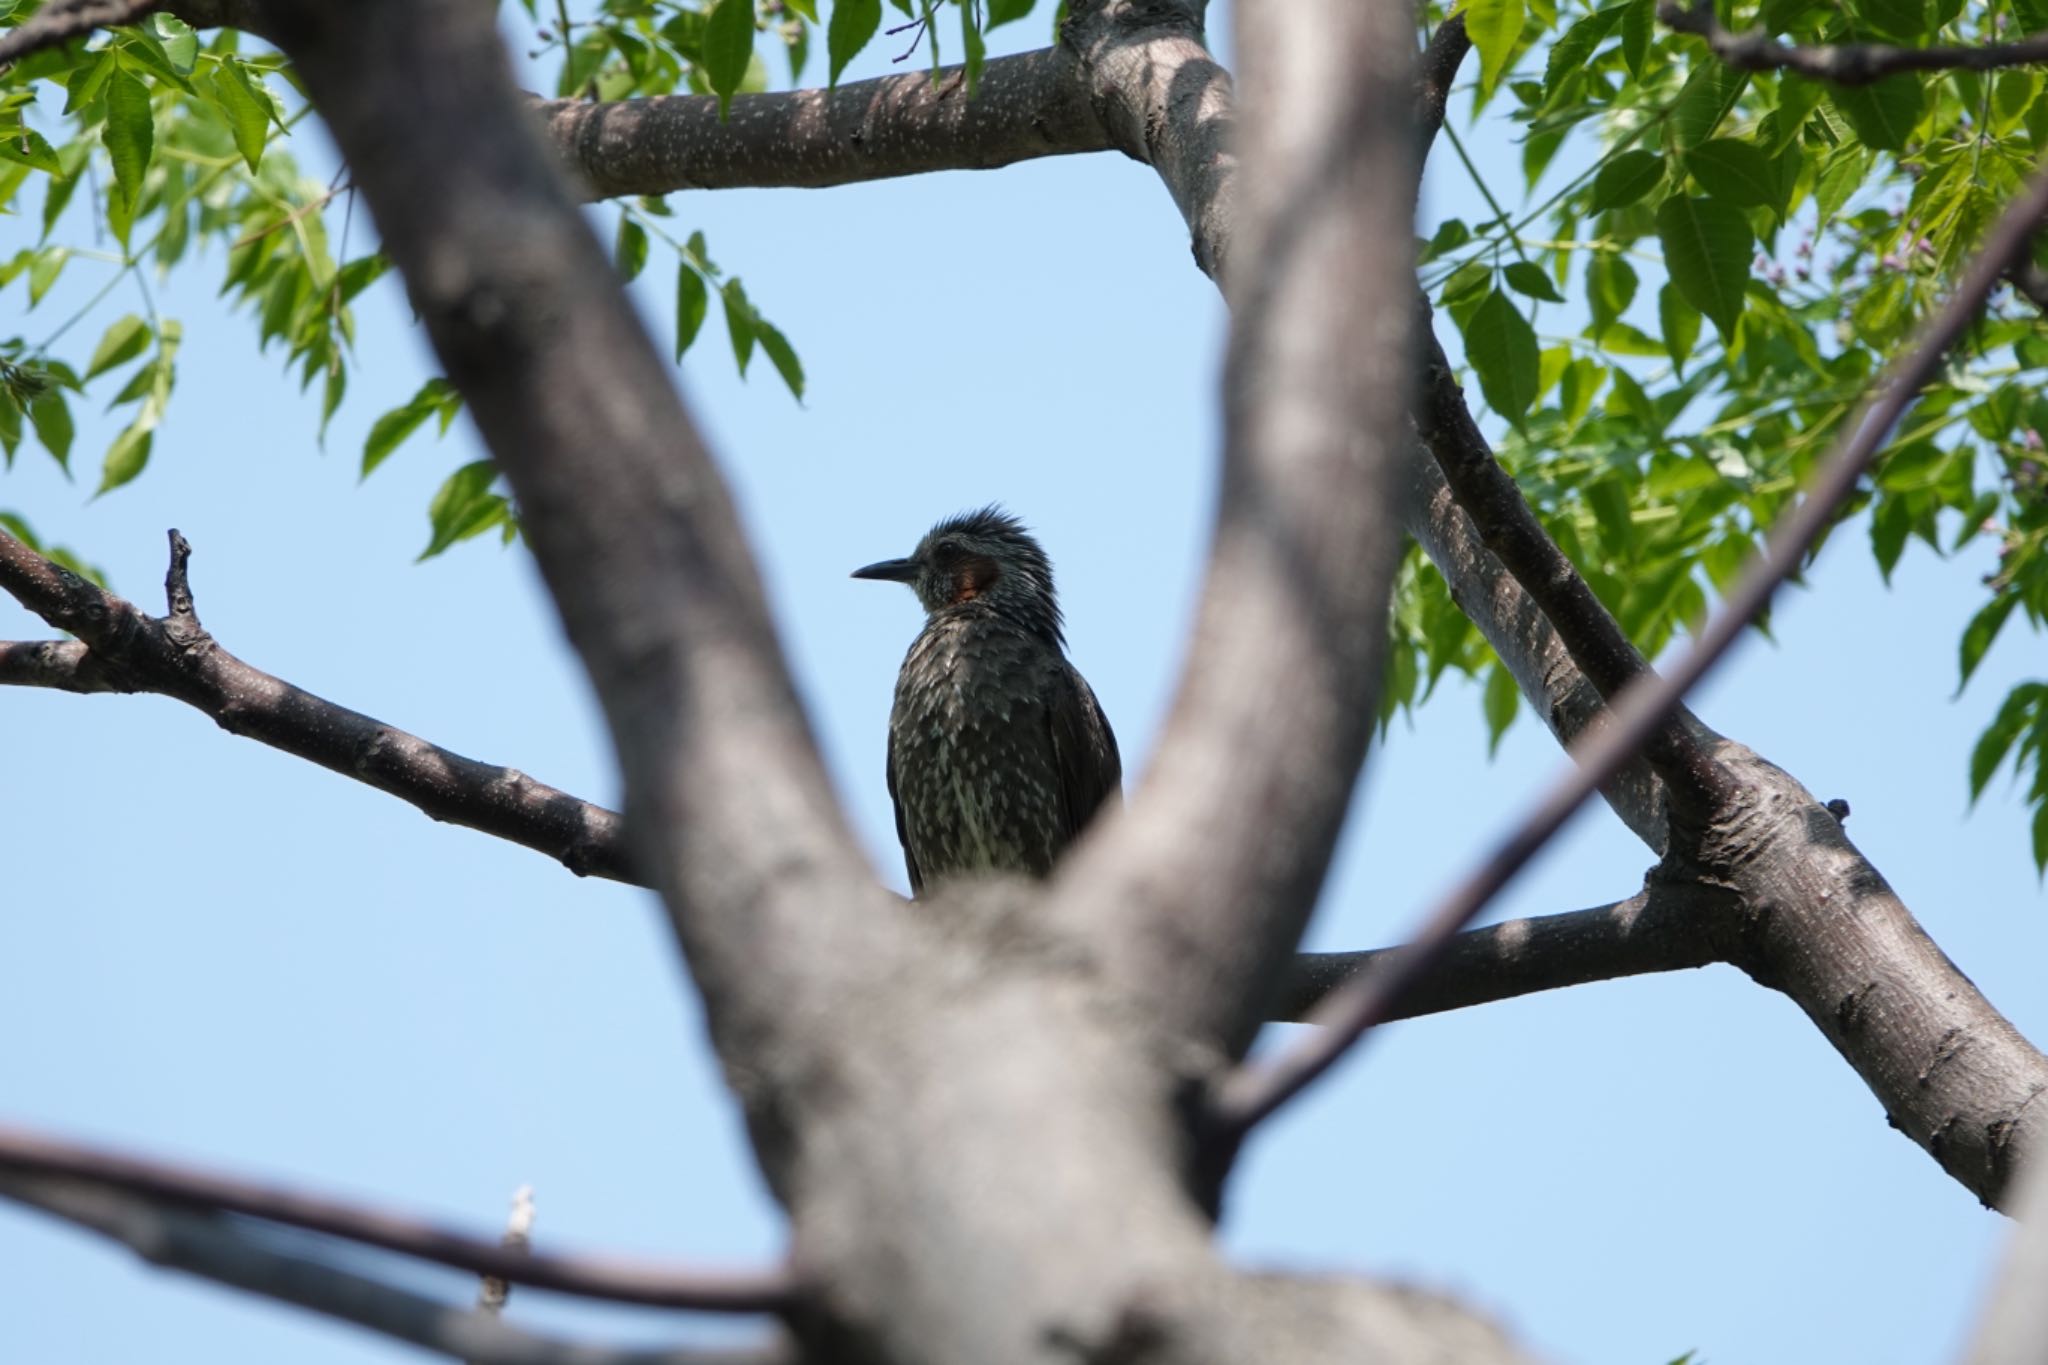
<point>890,571</point>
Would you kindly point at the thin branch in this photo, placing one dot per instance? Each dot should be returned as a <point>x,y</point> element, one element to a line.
<point>1439,68</point>
<point>1663,928</point>
<point>60,21</point>
<point>624,1281</point>
<point>121,648</point>
<point>1031,105</point>
<point>213,1247</point>
<point>1253,1092</point>
<point>1842,64</point>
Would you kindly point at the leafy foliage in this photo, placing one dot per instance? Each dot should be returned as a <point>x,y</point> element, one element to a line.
<point>1809,228</point>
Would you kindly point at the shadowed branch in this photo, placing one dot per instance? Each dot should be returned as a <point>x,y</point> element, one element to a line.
<point>24,1153</point>
<point>1845,63</point>
<point>213,1247</point>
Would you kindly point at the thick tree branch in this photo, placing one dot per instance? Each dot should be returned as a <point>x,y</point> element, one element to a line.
<point>1165,101</point>
<point>1846,64</point>
<point>1666,927</point>
<point>1509,528</point>
<point>212,1247</point>
<point>1316,389</point>
<point>1026,106</point>
<point>29,1153</point>
<point>122,648</point>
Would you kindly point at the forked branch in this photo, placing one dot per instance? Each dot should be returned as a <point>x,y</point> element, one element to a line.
<point>122,648</point>
<point>1254,1092</point>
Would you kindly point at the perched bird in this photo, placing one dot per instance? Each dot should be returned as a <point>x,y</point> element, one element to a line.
<point>998,752</point>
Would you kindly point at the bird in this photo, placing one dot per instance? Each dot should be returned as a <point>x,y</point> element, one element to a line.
<point>999,754</point>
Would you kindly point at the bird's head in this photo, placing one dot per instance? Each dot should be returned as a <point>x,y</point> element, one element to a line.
<point>985,557</point>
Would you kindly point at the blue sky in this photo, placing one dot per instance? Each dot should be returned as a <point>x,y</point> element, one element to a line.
<point>214,951</point>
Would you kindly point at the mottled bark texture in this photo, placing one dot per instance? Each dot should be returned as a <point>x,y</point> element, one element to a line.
<point>982,1146</point>
<point>1026,106</point>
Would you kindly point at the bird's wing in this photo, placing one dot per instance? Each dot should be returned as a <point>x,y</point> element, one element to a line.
<point>1084,753</point>
<point>902,835</point>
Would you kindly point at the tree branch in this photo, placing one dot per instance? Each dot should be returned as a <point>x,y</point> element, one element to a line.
<point>1254,1092</point>
<point>1025,106</point>
<point>121,648</point>
<point>1666,927</point>
<point>1846,64</point>
<point>1508,527</point>
<point>212,1247</point>
<point>1206,906</point>
<point>27,1153</point>
<point>60,21</point>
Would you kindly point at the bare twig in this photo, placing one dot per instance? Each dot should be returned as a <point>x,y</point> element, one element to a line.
<point>664,1286</point>
<point>215,1248</point>
<point>1253,1092</point>
<point>495,1289</point>
<point>121,648</point>
<point>1842,64</point>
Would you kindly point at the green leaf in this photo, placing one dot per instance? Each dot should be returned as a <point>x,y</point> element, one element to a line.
<point>1705,99</point>
<point>1526,277</point>
<point>1735,172</point>
<point>1570,52</point>
<point>783,356</point>
<point>464,506</point>
<point>1991,747</point>
<point>1003,11</point>
<point>51,417</point>
<point>1982,630</point>
<point>1625,179</point>
<point>126,456</point>
<point>728,47</point>
<point>2041,840</point>
<point>247,112</point>
<point>129,135</point>
<point>1884,112</point>
<point>1495,27</point>
<point>739,322</point>
<point>1680,323</point>
<point>1897,21</point>
<point>180,43</point>
<point>1707,247</point>
<point>1635,36</point>
<point>853,23</point>
<point>1501,701</point>
<point>692,299</point>
<point>631,249</point>
<point>1610,289</point>
<point>27,147</point>
<point>1502,348</point>
<point>974,45</point>
<point>391,429</point>
<point>124,340</point>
